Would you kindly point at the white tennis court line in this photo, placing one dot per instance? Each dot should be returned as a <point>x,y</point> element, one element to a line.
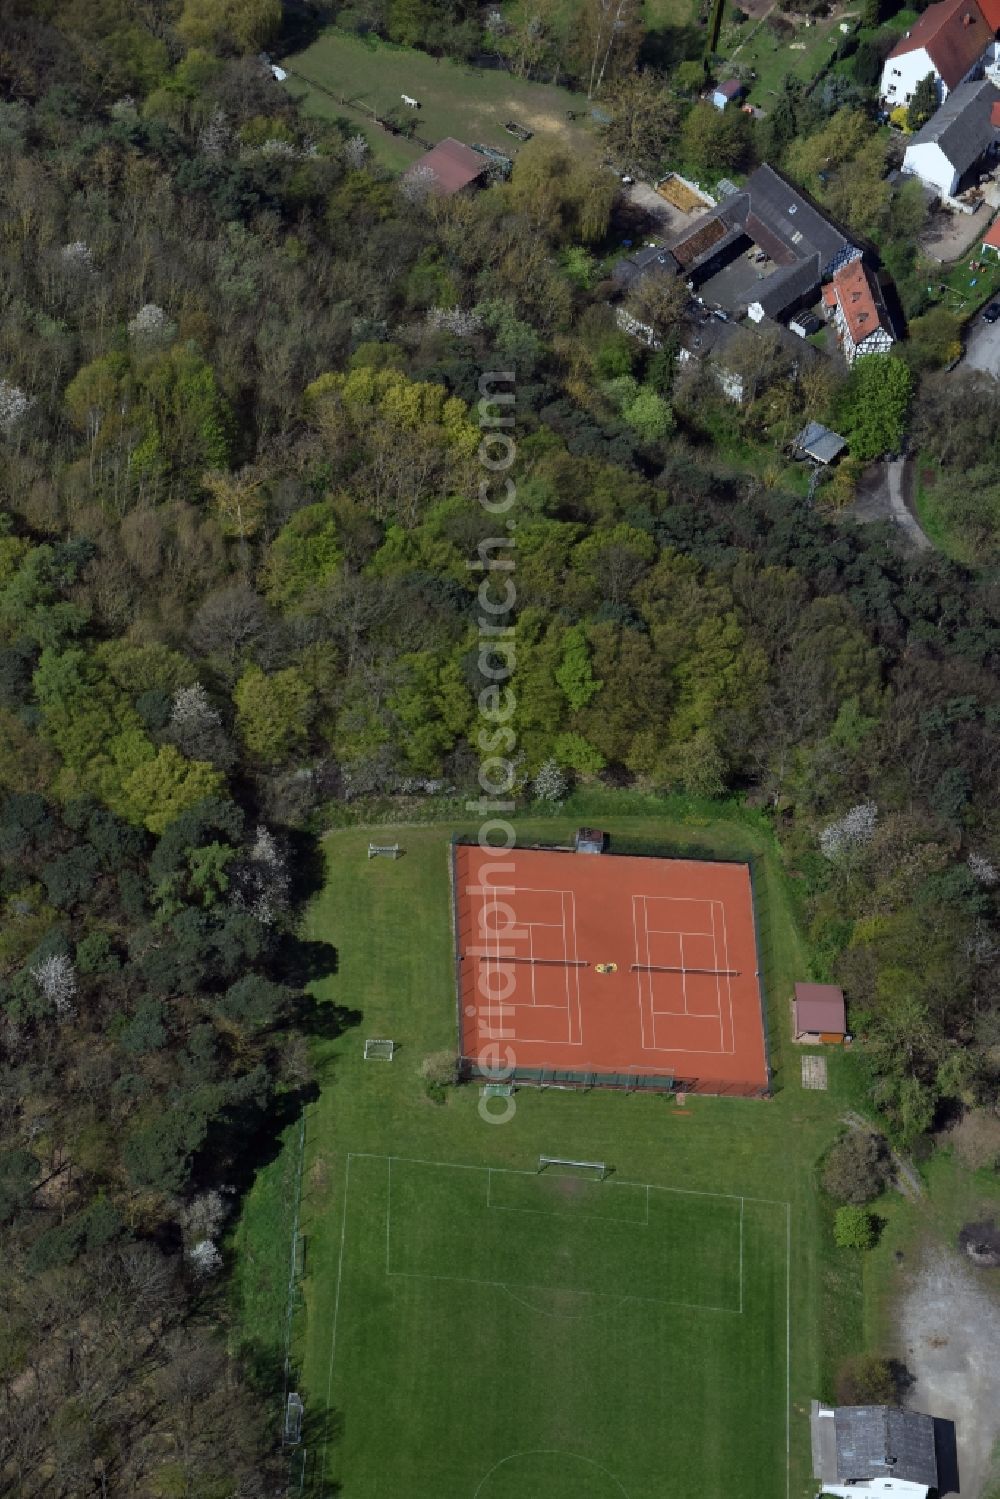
<point>572,1002</point>
<point>643,978</point>
<point>682,1306</point>
<point>729,982</point>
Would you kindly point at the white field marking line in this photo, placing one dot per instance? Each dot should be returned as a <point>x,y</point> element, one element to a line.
<point>550,1452</point>
<point>741,1256</point>
<point>788,1349</point>
<point>520,1285</point>
<point>498,1207</point>
<point>414,1160</point>
<point>336,1314</point>
<point>649,1186</point>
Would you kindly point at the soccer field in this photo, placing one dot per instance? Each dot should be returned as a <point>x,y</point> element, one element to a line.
<point>499,1333</point>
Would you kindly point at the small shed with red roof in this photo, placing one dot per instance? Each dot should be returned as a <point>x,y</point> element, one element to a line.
<point>820,1013</point>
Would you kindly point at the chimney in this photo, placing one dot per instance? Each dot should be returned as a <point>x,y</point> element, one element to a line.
<point>967,18</point>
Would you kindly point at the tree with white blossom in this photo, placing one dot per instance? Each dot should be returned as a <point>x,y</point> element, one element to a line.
<point>851,832</point>
<point>982,869</point>
<point>14,405</point>
<point>204,1259</point>
<point>417,185</point>
<point>261,881</point>
<point>56,980</point>
<point>151,327</point>
<point>355,150</point>
<point>456,320</point>
<point>550,783</point>
<point>77,256</point>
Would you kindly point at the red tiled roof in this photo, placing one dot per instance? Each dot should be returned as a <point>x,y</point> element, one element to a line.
<point>995,115</point>
<point>820,1007</point>
<point>860,300</point>
<point>992,235</point>
<point>453,165</point>
<point>991,10</point>
<point>954,33</point>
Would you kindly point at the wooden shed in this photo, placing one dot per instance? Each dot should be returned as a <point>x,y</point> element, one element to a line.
<point>820,1013</point>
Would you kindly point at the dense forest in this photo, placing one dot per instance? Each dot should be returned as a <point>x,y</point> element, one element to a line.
<point>239,376</point>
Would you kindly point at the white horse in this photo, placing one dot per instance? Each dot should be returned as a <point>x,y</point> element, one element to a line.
<point>410,103</point>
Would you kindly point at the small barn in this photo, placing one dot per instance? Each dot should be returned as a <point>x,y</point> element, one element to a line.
<point>455,167</point>
<point>820,1014</point>
<point>819,443</point>
<point>728,92</point>
<point>991,239</point>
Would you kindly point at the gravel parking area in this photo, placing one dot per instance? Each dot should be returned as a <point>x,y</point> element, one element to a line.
<point>950,1329</point>
<point>982,350</point>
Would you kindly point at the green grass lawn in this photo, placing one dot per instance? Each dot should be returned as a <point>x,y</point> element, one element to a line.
<point>468,103</point>
<point>751,46</point>
<point>933,516</point>
<point>534,1338</point>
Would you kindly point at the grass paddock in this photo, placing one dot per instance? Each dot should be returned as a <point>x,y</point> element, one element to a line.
<point>456,99</point>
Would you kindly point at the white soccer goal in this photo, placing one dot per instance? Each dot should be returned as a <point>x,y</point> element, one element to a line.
<point>597,1170</point>
<point>379,1049</point>
<point>293,1420</point>
<point>384,850</point>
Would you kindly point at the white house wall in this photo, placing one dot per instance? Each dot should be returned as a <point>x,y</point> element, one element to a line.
<point>928,162</point>
<point>900,75</point>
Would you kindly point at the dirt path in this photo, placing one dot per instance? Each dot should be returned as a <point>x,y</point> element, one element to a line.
<point>949,1326</point>
<point>882,496</point>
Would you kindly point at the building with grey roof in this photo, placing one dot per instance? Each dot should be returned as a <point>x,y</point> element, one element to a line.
<point>650,260</point>
<point>797,246</point>
<point>792,244</point>
<point>863,1450</point>
<point>956,138</point>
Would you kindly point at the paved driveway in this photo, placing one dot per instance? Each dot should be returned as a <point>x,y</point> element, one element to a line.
<point>982,350</point>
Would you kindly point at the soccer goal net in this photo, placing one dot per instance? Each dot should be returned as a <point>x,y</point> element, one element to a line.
<point>379,1050</point>
<point>563,1165</point>
<point>293,1420</point>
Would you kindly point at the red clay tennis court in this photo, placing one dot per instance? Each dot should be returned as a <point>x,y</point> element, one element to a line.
<point>608,968</point>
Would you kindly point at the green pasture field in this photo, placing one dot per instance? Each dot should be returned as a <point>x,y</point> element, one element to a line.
<point>468,103</point>
<point>465,1326</point>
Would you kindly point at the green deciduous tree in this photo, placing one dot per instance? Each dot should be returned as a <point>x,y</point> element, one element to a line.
<point>854,1228</point>
<point>574,673</point>
<point>304,555</point>
<point>273,713</point>
<point>924,102</point>
<point>872,407</point>
<point>163,787</point>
